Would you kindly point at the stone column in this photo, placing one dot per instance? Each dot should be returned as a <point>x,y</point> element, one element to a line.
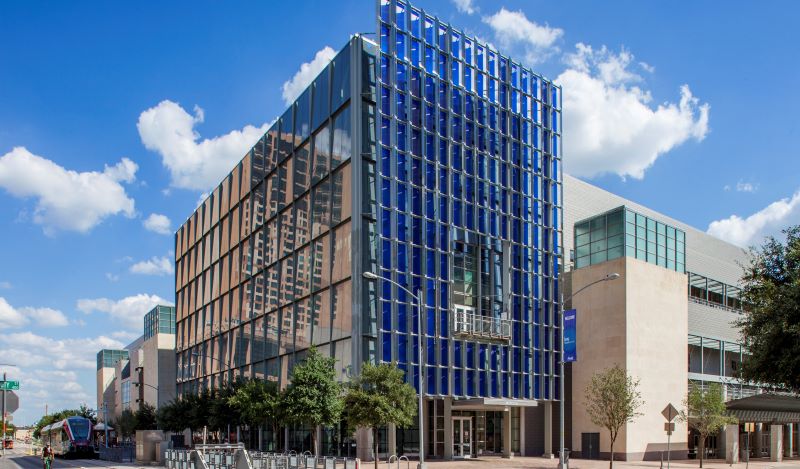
<point>548,429</point>
<point>507,434</point>
<point>448,428</point>
<point>757,442</point>
<point>364,444</point>
<point>789,446</point>
<point>731,433</point>
<point>391,439</point>
<point>776,443</point>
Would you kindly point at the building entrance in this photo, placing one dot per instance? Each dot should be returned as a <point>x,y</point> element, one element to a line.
<point>462,437</point>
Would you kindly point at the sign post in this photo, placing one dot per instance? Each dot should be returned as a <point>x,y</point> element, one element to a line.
<point>669,413</point>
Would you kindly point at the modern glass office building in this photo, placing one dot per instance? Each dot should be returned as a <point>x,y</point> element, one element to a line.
<point>431,160</point>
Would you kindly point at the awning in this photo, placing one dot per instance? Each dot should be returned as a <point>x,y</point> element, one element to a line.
<point>766,408</point>
<point>101,426</point>
<point>489,403</point>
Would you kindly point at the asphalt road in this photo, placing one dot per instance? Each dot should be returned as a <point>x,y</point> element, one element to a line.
<point>23,461</point>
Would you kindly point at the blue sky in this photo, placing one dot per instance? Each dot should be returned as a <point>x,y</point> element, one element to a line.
<point>115,118</point>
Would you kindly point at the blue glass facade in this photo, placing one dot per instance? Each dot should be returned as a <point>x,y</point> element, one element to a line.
<point>468,211</point>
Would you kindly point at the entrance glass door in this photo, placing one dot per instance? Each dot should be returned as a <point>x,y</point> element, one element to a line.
<point>462,437</point>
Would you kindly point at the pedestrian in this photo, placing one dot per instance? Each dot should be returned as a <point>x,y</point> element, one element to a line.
<point>47,456</point>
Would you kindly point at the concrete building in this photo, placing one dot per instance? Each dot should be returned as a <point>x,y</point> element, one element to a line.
<point>144,371</point>
<point>669,320</point>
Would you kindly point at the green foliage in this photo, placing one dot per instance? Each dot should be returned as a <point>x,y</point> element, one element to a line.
<point>770,327</point>
<point>612,400</point>
<point>85,412</point>
<point>168,418</point>
<point>125,424</point>
<point>705,412</point>
<point>220,412</point>
<point>256,401</point>
<point>379,397</point>
<point>146,417</point>
<point>314,397</point>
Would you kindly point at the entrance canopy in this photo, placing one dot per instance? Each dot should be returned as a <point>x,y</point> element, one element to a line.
<point>488,403</point>
<point>766,408</point>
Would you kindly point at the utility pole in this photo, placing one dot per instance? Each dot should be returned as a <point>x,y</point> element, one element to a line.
<point>105,421</point>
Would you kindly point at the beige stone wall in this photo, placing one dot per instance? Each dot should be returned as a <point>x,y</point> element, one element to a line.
<point>639,322</point>
<point>158,362</point>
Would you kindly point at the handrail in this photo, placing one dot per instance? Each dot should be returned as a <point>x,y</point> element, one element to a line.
<point>467,323</point>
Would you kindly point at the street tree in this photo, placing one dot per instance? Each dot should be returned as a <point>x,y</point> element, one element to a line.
<point>257,401</point>
<point>612,400</point>
<point>126,424</point>
<point>379,397</point>
<point>146,417</point>
<point>314,397</point>
<point>770,325</point>
<point>705,412</point>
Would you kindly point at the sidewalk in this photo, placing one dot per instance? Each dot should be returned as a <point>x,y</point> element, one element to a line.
<point>543,463</point>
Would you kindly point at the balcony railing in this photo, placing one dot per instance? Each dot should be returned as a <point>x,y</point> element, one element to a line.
<point>467,323</point>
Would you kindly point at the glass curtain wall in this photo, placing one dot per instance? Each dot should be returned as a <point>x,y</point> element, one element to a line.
<point>263,265</point>
<point>469,199</point>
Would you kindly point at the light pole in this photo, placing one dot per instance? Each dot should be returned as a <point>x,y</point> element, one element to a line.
<point>420,338</point>
<point>3,442</point>
<point>612,276</point>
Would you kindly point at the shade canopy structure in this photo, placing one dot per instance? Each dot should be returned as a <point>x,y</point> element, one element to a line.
<point>766,408</point>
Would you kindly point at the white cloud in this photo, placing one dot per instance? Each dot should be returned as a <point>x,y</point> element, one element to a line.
<point>198,164</point>
<point>67,199</point>
<point>29,350</point>
<point>512,27</point>
<point>129,310</point>
<point>752,229</point>
<point>11,317</point>
<point>112,277</point>
<point>154,266</point>
<point>465,6</point>
<point>610,123</point>
<point>158,223</point>
<point>291,89</point>
<point>5,285</point>
<point>742,186</point>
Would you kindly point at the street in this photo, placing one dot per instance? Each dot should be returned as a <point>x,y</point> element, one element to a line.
<point>20,458</point>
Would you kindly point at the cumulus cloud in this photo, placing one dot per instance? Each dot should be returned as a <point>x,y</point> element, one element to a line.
<point>750,230</point>
<point>128,311</point>
<point>169,130</point>
<point>66,199</point>
<point>158,223</point>
<point>465,6</point>
<point>154,266</point>
<point>29,350</point>
<point>610,122</point>
<point>513,27</point>
<point>292,88</point>
<point>11,317</point>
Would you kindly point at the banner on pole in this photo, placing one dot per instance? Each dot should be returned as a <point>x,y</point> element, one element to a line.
<point>570,345</point>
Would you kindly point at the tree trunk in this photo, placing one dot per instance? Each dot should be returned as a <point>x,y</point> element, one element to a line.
<point>702,444</point>
<point>314,441</point>
<point>375,444</point>
<point>611,457</point>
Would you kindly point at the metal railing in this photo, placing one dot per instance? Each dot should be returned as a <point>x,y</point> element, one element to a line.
<point>118,453</point>
<point>236,457</point>
<point>469,323</point>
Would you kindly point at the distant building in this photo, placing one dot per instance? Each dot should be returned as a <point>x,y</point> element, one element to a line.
<point>144,371</point>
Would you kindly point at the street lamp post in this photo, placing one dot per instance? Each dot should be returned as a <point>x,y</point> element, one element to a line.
<point>420,338</point>
<point>3,442</point>
<point>561,458</point>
